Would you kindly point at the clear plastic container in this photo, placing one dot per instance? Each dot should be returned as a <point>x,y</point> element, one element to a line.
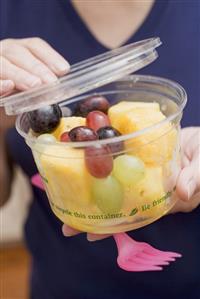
<point>102,205</point>
<point>141,184</point>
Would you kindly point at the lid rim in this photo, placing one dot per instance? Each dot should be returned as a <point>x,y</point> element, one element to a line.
<point>124,60</point>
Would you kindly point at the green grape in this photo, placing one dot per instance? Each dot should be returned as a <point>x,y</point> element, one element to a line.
<point>128,169</point>
<point>43,141</point>
<point>46,138</point>
<point>108,194</point>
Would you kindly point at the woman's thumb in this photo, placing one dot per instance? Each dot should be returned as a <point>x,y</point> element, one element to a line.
<point>189,179</point>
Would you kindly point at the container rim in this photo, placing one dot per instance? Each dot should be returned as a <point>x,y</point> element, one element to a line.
<point>135,78</point>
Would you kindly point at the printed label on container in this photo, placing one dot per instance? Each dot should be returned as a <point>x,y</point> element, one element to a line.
<point>144,208</point>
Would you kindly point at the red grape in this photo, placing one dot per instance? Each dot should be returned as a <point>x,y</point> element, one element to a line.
<point>82,133</point>
<point>92,103</point>
<point>97,119</point>
<point>64,137</point>
<point>99,161</point>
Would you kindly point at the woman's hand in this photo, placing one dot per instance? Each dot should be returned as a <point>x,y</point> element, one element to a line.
<point>188,185</point>
<point>27,63</point>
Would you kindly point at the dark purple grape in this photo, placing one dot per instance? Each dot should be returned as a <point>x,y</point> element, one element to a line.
<point>110,132</point>
<point>45,119</point>
<point>99,161</point>
<point>82,133</point>
<point>92,103</point>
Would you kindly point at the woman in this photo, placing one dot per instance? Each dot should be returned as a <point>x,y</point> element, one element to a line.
<point>73,268</point>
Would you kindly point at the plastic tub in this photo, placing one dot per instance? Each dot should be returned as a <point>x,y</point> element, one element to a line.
<point>121,201</point>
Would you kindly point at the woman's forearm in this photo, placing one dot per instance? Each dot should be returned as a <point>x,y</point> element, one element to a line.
<point>6,172</point>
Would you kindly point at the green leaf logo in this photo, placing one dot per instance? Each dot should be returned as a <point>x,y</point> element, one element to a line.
<point>133,212</point>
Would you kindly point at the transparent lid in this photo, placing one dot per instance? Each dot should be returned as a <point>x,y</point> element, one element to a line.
<point>84,76</point>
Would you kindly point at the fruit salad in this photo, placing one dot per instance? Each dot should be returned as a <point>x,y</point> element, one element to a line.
<point>99,174</point>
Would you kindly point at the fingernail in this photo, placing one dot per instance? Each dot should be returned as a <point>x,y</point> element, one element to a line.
<point>49,78</point>
<point>7,85</point>
<point>62,67</point>
<point>91,239</point>
<point>94,237</point>
<point>32,82</point>
<point>68,234</point>
<point>191,188</point>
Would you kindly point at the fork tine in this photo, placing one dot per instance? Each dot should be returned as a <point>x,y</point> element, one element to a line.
<point>140,256</point>
<point>158,256</point>
<point>148,256</point>
<point>167,253</point>
<point>174,254</point>
<point>150,249</point>
<point>134,267</point>
<point>141,261</point>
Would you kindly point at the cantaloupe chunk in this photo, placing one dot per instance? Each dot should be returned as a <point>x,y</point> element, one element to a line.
<point>68,123</point>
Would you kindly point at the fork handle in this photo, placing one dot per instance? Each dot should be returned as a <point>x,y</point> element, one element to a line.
<point>36,181</point>
<point>121,240</point>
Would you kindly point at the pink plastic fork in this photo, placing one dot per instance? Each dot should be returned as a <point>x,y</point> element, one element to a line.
<point>36,180</point>
<point>139,256</point>
<point>132,255</point>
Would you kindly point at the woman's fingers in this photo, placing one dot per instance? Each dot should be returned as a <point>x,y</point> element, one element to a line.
<point>44,52</point>
<point>69,232</point>
<point>97,237</point>
<point>24,59</point>
<point>22,79</point>
<point>29,63</point>
<point>189,180</point>
<point>6,87</point>
<point>186,206</point>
